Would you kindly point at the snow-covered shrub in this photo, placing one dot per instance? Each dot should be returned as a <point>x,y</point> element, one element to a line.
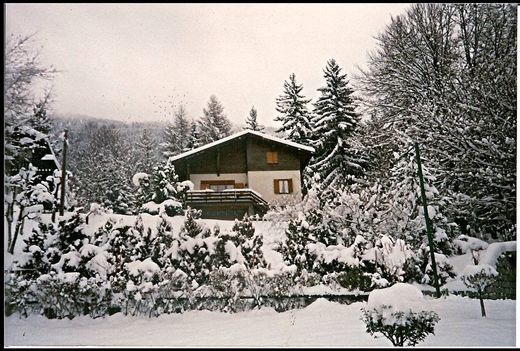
<point>355,278</point>
<point>191,252</point>
<point>294,249</point>
<point>71,231</point>
<point>39,252</point>
<point>398,312</point>
<point>58,295</point>
<point>17,295</point>
<point>172,207</point>
<point>227,284</point>
<point>444,268</point>
<point>141,287</point>
<point>478,277</point>
<point>31,195</point>
<point>250,243</point>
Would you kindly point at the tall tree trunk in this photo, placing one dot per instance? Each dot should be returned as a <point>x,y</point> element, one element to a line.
<point>19,225</point>
<point>9,217</point>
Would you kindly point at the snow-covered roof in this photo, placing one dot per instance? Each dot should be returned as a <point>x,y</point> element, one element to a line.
<point>239,134</point>
<point>49,157</point>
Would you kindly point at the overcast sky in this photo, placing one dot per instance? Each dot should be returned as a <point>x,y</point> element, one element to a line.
<point>132,61</point>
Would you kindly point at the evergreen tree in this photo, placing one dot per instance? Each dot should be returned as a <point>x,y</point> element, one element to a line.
<point>251,121</point>
<point>41,121</point>
<point>103,174</point>
<point>295,117</point>
<point>160,186</point>
<point>145,152</point>
<point>294,248</point>
<point>194,138</point>
<point>39,252</point>
<point>176,135</point>
<point>214,124</point>
<point>250,243</point>
<point>335,160</point>
<point>193,257</point>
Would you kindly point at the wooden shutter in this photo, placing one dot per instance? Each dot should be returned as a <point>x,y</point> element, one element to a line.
<point>276,187</point>
<point>290,186</point>
<point>271,157</point>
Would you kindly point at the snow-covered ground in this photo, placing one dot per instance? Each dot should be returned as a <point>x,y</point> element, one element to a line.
<point>321,324</point>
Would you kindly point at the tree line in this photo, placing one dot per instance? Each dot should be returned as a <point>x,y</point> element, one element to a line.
<point>443,75</point>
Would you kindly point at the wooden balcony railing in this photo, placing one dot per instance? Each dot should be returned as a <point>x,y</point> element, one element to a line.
<point>246,196</point>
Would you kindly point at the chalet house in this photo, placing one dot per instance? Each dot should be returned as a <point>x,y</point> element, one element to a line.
<point>34,148</point>
<point>242,173</point>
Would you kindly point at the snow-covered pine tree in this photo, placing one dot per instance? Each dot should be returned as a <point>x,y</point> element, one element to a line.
<point>163,182</point>
<point>71,231</point>
<point>176,134</point>
<point>252,122</point>
<point>214,124</point>
<point>41,121</point>
<point>227,247</point>
<point>103,173</point>
<point>39,252</point>
<point>294,248</point>
<point>162,243</point>
<point>335,121</point>
<point>319,214</point>
<point>193,257</point>
<point>161,187</point>
<point>145,148</point>
<point>194,138</point>
<point>294,114</point>
<point>250,243</point>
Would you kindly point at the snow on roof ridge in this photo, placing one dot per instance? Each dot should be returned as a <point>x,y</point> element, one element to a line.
<point>236,135</point>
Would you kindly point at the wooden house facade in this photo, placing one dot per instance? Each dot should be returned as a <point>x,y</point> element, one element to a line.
<point>243,173</point>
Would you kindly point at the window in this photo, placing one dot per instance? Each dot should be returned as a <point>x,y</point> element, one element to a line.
<point>217,185</point>
<point>220,187</point>
<point>271,157</point>
<point>283,186</point>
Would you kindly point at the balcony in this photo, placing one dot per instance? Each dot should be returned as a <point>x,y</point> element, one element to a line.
<point>227,204</point>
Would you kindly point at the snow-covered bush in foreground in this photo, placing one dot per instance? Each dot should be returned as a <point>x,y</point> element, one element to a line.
<point>479,277</point>
<point>399,313</point>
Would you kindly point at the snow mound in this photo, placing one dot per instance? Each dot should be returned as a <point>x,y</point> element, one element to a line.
<point>467,243</point>
<point>494,251</point>
<point>136,179</point>
<point>188,184</point>
<point>400,297</point>
<point>320,304</point>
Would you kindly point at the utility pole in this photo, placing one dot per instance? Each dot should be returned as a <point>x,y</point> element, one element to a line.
<point>427,219</point>
<point>63,173</point>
